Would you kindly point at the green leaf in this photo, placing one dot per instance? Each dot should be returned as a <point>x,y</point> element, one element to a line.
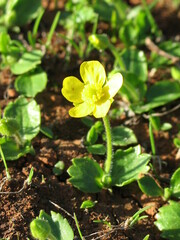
<point>135,62</point>
<point>92,136</point>
<point>133,89</point>
<point>88,121</point>
<point>27,114</point>
<point>146,237</point>
<point>137,27</point>
<point>123,136</point>
<point>88,204</point>
<point>31,83</point>
<point>3,140</point>
<point>47,131</point>
<point>136,217</point>
<point>166,126</point>
<point>149,186</point>
<point>40,229</point>
<point>99,41</point>
<point>31,173</point>
<point>21,12</point>
<point>2,4</point>
<point>86,175</point>
<point>99,127</point>
<point>13,152</point>
<point>58,168</point>
<point>60,227</point>
<point>4,42</point>
<point>175,183</point>
<point>98,149</point>
<point>158,95</point>
<point>27,62</point>
<point>8,126</point>
<point>128,165</point>
<point>168,221</point>
<point>170,47</point>
<point>104,10</point>
<point>65,229</point>
<point>163,92</point>
<point>175,72</point>
<point>128,33</point>
<point>176,142</point>
<point>115,113</point>
<point>85,14</point>
<point>94,131</point>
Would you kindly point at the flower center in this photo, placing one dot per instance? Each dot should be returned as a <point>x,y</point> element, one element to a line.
<point>92,93</point>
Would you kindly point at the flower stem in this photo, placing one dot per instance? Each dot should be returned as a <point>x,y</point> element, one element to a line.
<point>108,162</point>
<point>117,56</point>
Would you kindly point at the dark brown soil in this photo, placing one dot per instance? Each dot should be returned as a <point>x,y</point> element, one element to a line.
<point>19,205</point>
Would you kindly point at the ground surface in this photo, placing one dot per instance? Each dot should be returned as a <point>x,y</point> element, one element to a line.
<point>17,209</point>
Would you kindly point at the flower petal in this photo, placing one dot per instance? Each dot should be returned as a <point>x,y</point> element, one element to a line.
<point>93,72</point>
<point>101,110</point>
<point>72,89</point>
<point>81,110</point>
<point>114,84</point>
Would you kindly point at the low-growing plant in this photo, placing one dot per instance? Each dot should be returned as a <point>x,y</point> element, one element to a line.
<point>19,125</point>
<point>94,96</point>
<point>121,137</point>
<point>75,19</point>
<point>51,227</point>
<point>138,25</point>
<point>123,226</point>
<point>31,79</point>
<point>150,187</point>
<point>10,50</point>
<point>176,140</point>
<point>16,13</point>
<point>168,216</point>
<point>168,220</point>
<point>134,67</point>
<point>168,54</point>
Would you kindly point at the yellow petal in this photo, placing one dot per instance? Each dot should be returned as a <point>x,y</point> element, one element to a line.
<point>81,110</point>
<point>93,72</point>
<point>101,110</point>
<point>114,84</point>
<point>72,89</point>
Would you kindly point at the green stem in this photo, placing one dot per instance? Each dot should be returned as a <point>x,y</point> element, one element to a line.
<point>56,4</point>
<point>51,237</point>
<point>5,165</point>
<point>52,29</point>
<point>149,15</point>
<point>133,94</point>
<point>117,56</point>
<point>78,228</point>
<point>153,148</point>
<point>108,162</point>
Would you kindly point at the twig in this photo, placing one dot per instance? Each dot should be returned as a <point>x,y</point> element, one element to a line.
<point>2,182</point>
<point>161,114</point>
<point>154,48</point>
<point>107,232</point>
<point>16,192</point>
<point>62,209</point>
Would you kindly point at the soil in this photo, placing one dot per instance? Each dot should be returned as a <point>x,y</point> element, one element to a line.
<point>20,203</point>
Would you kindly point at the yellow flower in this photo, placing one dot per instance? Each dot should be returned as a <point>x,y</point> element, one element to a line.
<point>94,95</point>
